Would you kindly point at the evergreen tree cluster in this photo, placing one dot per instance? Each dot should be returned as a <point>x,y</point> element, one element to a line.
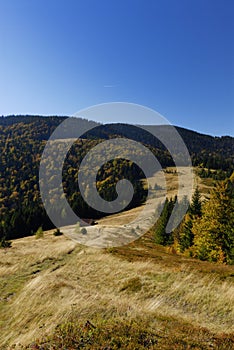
<point>207,230</point>
<point>214,174</point>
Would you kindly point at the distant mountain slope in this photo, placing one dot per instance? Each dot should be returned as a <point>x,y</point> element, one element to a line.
<point>208,151</point>
<point>195,141</point>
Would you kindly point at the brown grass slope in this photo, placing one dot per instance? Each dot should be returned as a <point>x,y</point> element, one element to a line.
<point>178,301</point>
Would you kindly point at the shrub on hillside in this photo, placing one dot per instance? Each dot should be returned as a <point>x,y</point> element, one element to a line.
<point>57,232</point>
<point>113,334</point>
<point>4,243</point>
<point>83,231</point>
<point>39,233</point>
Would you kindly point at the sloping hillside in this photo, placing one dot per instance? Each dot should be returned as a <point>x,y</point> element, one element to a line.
<point>23,138</point>
<point>142,292</point>
<point>48,281</point>
<point>199,145</point>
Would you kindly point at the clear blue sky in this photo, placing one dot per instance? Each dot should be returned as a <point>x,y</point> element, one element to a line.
<point>175,56</point>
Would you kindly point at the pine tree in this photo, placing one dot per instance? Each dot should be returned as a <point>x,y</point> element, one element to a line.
<point>161,236</point>
<point>186,235</point>
<point>196,204</point>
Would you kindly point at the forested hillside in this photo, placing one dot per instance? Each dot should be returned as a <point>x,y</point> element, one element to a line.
<point>23,138</point>
<point>22,144</point>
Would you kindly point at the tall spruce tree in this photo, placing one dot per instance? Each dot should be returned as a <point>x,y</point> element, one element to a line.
<point>186,236</point>
<point>161,236</point>
<point>196,204</point>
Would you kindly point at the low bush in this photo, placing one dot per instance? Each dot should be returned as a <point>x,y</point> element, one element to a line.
<point>83,231</point>
<point>112,334</point>
<point>39,233</point>
<point>4,243</point>
<point>57,232</point>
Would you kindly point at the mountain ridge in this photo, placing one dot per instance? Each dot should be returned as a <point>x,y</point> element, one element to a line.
<point>62,117</point>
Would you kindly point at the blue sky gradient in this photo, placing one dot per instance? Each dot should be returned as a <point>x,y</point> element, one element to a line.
<point>175,56</point>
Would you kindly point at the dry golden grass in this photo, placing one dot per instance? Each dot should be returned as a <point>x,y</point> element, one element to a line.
<point>46,281</point>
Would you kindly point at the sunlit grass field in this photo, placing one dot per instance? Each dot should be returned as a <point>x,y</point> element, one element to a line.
<point>49,281</point>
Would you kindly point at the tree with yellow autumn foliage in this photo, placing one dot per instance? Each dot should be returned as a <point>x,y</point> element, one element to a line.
<point>214,231</point>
